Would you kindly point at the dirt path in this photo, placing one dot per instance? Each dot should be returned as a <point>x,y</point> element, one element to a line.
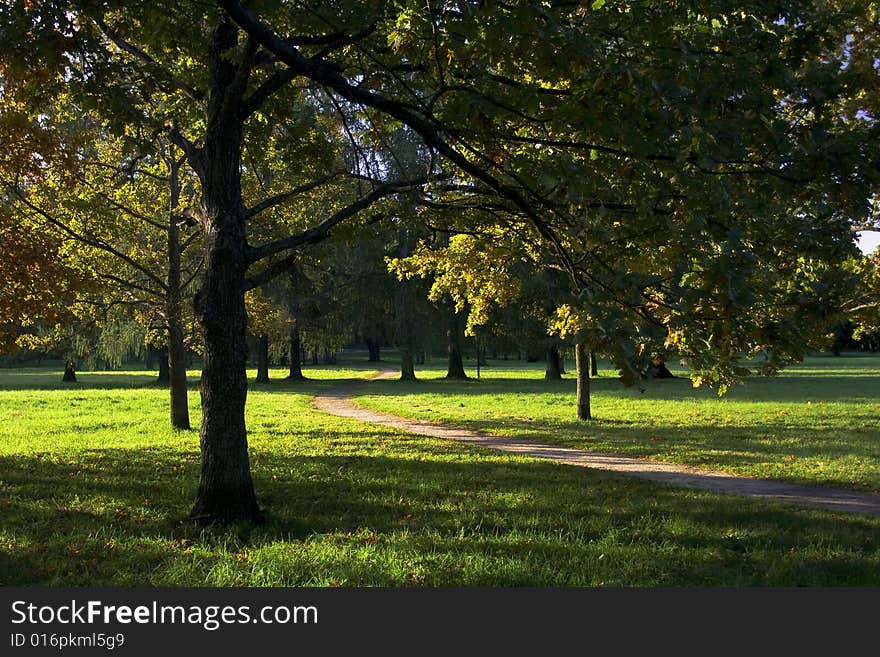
<point>338,401</point>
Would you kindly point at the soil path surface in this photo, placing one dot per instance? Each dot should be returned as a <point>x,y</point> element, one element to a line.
<point>338,401</point>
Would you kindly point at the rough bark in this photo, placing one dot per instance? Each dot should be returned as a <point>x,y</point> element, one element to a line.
<point>69,372</point>
<point>226,490</point>
<point>176,351</point>
<point>552,371</point>
<point>582,363</point>
<point>263,359</point>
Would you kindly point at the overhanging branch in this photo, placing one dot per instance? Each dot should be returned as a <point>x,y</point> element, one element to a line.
<point>321,230</point>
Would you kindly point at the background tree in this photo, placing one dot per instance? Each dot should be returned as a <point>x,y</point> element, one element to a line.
<point>122,217</point>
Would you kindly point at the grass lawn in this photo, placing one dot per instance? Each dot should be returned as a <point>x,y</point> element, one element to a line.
<point>93,488</point>
<point>818,423</point>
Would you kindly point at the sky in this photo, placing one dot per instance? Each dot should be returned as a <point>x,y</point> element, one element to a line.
<point>868,241</point>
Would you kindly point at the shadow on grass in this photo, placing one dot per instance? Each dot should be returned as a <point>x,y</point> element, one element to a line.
<point>816,387</point>
<point>106,517</point>
<point>728,445</point>
<point>11,379</point>
<point>705,438</point>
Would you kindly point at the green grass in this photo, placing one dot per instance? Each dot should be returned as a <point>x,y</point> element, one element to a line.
<point>817,423</point>
<point>94,487</point>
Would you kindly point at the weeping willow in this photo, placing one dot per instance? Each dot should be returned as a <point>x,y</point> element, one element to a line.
<point>120,340</point>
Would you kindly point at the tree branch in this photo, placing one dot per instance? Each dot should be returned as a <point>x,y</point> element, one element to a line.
<point>273,84</point>
<point>132,213</point>
<point>133,50</point>
<point>329,75</point>
<point>89,241</point>
<point>321,230</point>
<point>126,284</point>
<point>272,201</point>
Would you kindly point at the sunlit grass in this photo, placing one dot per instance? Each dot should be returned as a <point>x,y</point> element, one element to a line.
<point>816,423</point>
<point>95,487</point>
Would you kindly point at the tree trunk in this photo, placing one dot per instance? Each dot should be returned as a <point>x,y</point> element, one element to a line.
<point>455,368</point>
<point>149,359</point>
<point>404,306</point>
<point>69,371</point>
<point>407,366</point>
<point>176,351</point>
<point>297,355</point>
<point>594,366</point>
<point>373,349</point>
<point>658,369</point>
<point>582,363</point>
<point>552,372</point>
<point>164,367</point>
<point>296,373</point>
<point>226,490</point>
<point>263,359</point>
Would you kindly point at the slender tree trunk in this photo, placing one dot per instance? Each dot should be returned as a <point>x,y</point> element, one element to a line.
<point>296,373</point>
<point>454,333</point>
<point>164,366</point>
<point>582,362</point>
<point>263,359</point>
<point>404,307</point>
<point>69,371</point>
<point>226,490</point>
<point>455,363</point>
<point>149,359</point>
<point>374,351</point>
<point>407,366</point>
<point>176,351</point>
<point>552,372</point>
<point>594,366</point>
<point>297,355</point>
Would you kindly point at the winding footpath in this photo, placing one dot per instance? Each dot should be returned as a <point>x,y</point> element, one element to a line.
<point>339,401</point>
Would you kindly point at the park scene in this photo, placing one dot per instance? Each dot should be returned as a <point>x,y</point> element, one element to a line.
<point>419,294</point>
